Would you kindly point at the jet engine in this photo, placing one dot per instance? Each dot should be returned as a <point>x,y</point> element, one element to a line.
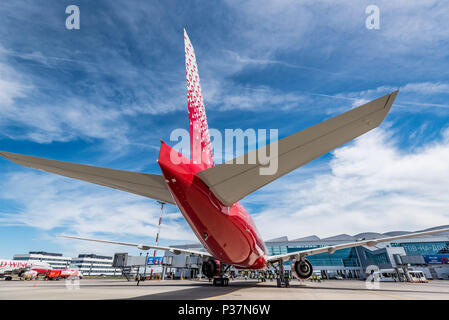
<point>211,268</point>
<point>302,268</point>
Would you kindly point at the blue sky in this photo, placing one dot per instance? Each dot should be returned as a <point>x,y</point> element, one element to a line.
<point>105,94</point>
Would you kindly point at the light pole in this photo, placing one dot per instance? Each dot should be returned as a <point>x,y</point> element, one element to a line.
<point>157,235</point>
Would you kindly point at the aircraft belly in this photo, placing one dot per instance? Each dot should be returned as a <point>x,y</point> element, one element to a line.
<point>227,236</point>
<point>220,233</point>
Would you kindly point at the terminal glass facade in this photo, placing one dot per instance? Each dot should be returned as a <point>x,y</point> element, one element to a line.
<point>344,258</point>
<point>275,250</point>
<point>379,259</point>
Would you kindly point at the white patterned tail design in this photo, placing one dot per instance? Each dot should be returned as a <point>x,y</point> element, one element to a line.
<point>200,146</point>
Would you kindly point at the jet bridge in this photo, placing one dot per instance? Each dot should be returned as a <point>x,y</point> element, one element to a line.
<point>131,265</point>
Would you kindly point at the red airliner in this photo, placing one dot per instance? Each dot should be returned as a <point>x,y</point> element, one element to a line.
<point>31,269</point>
<point>208,195</point>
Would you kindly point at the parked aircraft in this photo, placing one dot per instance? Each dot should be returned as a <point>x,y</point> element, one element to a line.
<point>208,195</point>
<point>30,269</point>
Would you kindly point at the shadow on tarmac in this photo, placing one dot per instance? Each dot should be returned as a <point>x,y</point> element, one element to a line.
<point>204,290</point>
<point>192,290</point>
<point>190,294</point>
<point>363,289</point>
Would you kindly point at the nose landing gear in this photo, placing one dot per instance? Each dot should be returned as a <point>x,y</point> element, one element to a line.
<point>213,269</point>
<point>282,280</point>
<point>221,282</point>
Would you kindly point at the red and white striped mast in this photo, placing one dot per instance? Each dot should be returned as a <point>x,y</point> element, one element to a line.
<point>157,235</point>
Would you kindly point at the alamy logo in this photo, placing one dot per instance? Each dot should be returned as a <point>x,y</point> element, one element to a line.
<point>72,283</point>
<point>372,281</point>
<point>73,20</point>
<point>373,20</point>
<point>233,147</point>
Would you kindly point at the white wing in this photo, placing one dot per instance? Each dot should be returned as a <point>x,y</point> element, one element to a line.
<point>332,249</point>
<point>145,246</point>
<point>147,185</point>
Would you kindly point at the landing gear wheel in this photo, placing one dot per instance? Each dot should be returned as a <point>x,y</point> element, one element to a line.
<point>221,282</point>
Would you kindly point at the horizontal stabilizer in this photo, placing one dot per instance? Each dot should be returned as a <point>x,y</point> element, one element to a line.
<point>232,181</point>
<point>148,185</point>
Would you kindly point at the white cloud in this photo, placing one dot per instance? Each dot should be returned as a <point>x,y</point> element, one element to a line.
<point>289,24</point>
<point>12,86</point>
<point>419,24</point>
<point>411,96</point>
<point>63,119</point>
<point>229,97</point>
<point>370,185</point>
<point>426,88</point>
<point>48,202</point>
<point>269,26</point>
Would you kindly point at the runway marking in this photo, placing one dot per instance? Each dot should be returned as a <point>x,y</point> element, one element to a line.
<point>221,295</point>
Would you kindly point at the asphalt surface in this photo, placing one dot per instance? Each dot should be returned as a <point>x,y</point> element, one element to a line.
<point>100,289</point>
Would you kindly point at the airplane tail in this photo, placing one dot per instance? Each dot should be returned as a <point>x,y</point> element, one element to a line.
<point>200,146</point>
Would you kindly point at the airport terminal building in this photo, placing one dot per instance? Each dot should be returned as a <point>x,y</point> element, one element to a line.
<point>55,260</point>
<point>88,264</point>
<point>95,265</point>
<point>429,254</point>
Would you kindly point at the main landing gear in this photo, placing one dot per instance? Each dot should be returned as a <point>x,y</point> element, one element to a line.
<point>222,280</point>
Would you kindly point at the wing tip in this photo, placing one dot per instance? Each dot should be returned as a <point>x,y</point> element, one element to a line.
<point>390,100</point>
<point>65,236</point>
<point>394,94</point>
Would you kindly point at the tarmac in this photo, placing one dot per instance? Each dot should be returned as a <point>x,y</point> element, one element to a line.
<point>105,289</point>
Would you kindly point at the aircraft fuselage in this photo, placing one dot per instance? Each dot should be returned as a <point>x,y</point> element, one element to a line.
<point>228,233</point>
